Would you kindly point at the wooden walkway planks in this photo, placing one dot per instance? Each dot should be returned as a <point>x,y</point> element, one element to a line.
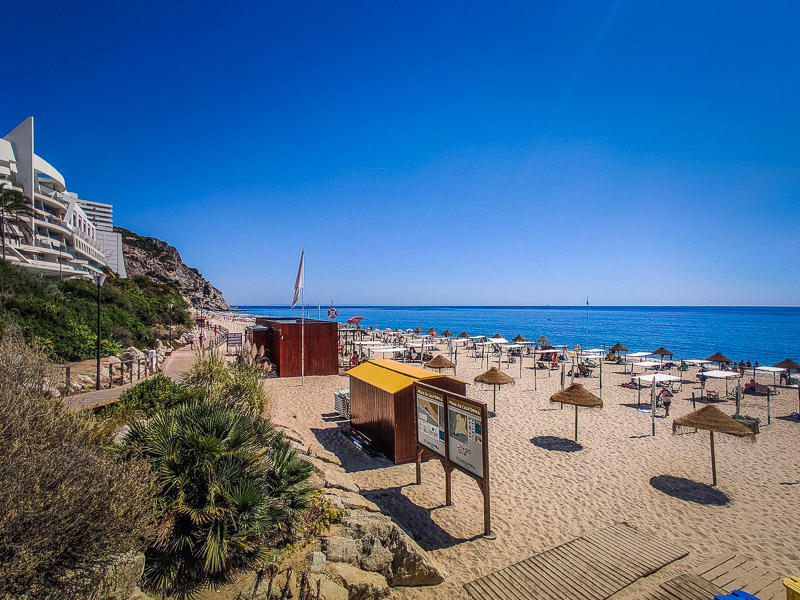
<point>685,587</point>
<point>592,567</point>
<point>738,572</point>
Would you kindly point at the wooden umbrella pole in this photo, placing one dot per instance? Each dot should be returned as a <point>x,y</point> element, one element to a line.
<point>576,422</point>
<point>713,461</point>
<point>494,399</point>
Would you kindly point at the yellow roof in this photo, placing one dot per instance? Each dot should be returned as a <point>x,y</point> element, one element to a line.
<point>390,376</point>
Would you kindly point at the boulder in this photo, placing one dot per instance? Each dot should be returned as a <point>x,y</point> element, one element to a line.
<point>339,549</point>
<point>373,556</point>
<point>331,591</point>
<point>353,501</point>
<point>132,353</point>
<point>86,379</point>
<point>341,481</point>
<point>317,451</point>
<point>410,563</point>
<point>316,562</point>
<point>362,585</point>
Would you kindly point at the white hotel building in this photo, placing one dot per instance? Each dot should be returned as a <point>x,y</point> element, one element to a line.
<point>60,240</point>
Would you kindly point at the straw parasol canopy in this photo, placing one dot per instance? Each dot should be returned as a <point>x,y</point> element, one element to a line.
<point>661,351</point>
<point>519,339</point>
<point>542,340</point>
<point>418,330</point>
<point>719,358</point>
<point>440,362</point>
<point>711,419</point>
<point>577,395</point>
<point>494,377</point>
<point>497,336</point>
<point>447,333</point>
<point>431,331</point>
<point>618,348</point>
<point>463,335</point>
<point>787,363</point>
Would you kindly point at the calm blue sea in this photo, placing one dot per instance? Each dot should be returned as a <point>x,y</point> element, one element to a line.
<point>765,334</point>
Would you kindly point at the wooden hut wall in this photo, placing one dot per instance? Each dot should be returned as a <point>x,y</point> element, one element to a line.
<point>372,413</point>
<point>286,344</point>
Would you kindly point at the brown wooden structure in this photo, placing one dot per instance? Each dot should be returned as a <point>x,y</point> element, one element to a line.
<point>282,341</point>
<point>383,406</point>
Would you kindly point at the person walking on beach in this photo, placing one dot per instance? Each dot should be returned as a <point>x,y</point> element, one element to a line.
<point>191,340</point>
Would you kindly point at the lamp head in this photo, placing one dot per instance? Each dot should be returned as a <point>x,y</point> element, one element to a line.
<point>99,279</point>
<point>170,306</point>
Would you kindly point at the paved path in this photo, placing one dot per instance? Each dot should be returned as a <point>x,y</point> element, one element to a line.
<point>180,360</point>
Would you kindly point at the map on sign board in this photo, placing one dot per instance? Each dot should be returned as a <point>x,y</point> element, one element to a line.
<point>430,420</point>
<point>465,437</point>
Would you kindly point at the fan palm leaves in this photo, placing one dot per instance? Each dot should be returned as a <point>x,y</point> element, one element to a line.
<point>230,488</point>
<point>14,205</point>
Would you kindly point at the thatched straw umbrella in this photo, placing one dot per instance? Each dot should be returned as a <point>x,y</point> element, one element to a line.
<point>494,377</point>
<point>789,364</point>
<point>431,331</point>
<point>712,419</point>
<point>579,396</point>
<point>447,333</point>
<point>618,348</point>
<point>418,330</point>
<point>719,358</point>
<point>542,340</point>
<point>463,335</point>
<point>662,352</point>
<point>519,339</point>
<point>439,363</point>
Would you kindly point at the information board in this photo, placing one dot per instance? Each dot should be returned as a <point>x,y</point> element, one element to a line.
<point>465,436</point>
<point>430,420</point>
<point>234,339</point>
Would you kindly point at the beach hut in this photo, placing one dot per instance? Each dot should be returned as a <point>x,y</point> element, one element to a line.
<point>711,419</point>
<point>577,395</point>
<point>383,407</point>
<point>283,340</point>
<point>439,363</point>
<point>494,377</point>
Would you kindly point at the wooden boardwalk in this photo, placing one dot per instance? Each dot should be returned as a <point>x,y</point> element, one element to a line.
<point>738,572</point>
<point>592,567</point>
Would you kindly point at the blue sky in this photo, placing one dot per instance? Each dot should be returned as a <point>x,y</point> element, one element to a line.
<point>515,153</point>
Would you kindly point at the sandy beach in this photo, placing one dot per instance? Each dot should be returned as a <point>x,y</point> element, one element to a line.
<point>542,494</point>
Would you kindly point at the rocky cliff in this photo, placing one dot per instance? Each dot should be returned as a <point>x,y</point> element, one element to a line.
<point>162,262</point>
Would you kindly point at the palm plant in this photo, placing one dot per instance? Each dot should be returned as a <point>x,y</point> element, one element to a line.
<point>14,205</point>
<point>229,489</point>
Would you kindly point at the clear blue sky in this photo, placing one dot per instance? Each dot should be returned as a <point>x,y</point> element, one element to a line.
<point>433,153</point>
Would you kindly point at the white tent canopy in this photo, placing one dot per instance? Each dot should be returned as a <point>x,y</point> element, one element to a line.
<point>386,349</point>
<point>719,374</point>
<point>658,378</point>
<point>770,369</point>
<point>646,364</point>
<point>696,361</point>
<point>638,354</point>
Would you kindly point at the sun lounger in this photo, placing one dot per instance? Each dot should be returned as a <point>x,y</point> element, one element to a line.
<point>630,384</point>
<point>540,365</point>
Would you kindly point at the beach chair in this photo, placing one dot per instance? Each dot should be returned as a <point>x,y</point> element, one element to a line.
<point>540,365</point>
<point>590,363</point>
<point>674,387</point>
<point>630,384</point>
<point>584,371</point>
<point>711,395</point>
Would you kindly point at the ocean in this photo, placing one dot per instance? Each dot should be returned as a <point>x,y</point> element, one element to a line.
<point>764,334</point>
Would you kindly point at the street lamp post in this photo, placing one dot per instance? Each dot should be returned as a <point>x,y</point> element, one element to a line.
<point>98,279</point>
<point>170,306</point>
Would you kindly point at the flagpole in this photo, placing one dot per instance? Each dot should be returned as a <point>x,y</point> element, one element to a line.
<point>303,326</point>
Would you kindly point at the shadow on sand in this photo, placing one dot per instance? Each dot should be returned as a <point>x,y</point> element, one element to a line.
<point>556,444</point>
<point>415,520</point>
<point>688,490</point>
<point>353,458</point>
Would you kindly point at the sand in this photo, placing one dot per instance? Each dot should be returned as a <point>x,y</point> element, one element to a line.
<point>542,494</point>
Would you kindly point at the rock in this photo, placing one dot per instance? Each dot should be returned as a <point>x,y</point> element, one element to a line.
<point>86,379</point>
<point>341,481</point>
<point>317,451</point>
<point>316,562</point>
<point>330,590</point>
<point>123,575</point>
<point>373,556</point>
<point>353,501</point>
<point>139,595</point>
<point>339,549</point>
<point>335,499</point>
<point>362,585</point>
<point>410,563</point>
<point>132,353</point>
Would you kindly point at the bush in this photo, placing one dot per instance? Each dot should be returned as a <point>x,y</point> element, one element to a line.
<point>230,490</point>
<point>153,395</point>
<point>66,509</point>
<point>236,385</point>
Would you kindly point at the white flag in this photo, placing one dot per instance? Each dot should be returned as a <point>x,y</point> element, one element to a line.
<point>298,284</point>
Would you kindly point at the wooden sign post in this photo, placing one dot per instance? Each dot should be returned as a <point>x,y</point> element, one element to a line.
<point>454,429</point>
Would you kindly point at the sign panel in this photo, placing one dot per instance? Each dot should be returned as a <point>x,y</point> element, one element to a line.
<point>465,435</point>
<point>430,420</point>
<point>234,339</point>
